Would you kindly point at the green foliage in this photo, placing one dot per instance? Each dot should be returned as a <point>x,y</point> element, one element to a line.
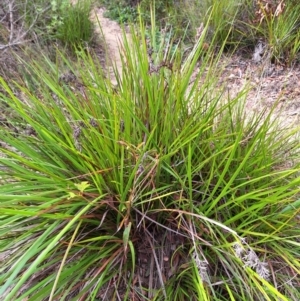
<point>161,188</point>
<point>162,9</point>
<point>122,14</point>
<point>178,17</point>
<point>57,9</point>
<point>43,16</point>
<point>121,11</point>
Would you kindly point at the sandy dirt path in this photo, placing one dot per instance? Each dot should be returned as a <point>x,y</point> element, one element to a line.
<point>113,36</point>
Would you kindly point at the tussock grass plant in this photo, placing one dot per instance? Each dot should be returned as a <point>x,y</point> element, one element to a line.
<point>158,188</point>
<point>279,27</point>
<point>75,26</point>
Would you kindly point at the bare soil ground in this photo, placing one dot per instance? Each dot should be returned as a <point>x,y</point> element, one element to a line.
<point>112,33</point>
<point>269,85</point>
